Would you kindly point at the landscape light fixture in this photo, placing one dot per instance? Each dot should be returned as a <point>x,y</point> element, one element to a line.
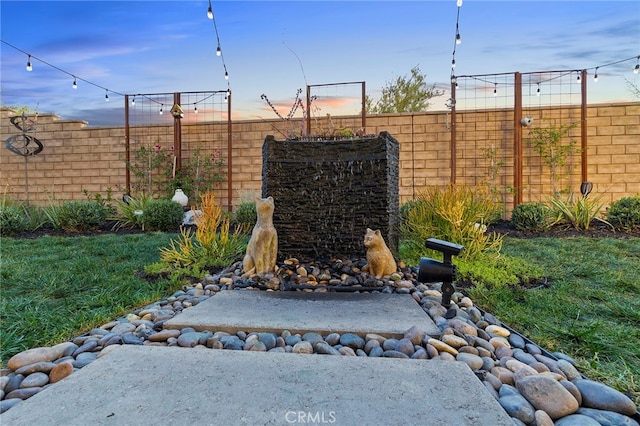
<point>30,68</point>
<point>585,188</point>
<point>432,271</point>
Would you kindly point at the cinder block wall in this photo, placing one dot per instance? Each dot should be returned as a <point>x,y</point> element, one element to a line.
<point>78,157</point>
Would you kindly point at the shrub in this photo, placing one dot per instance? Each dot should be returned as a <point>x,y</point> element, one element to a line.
<point>212,245</point>
<point>458,214</point>
<point>533,216</point>
<point>13,220</point>
<point>624,213</point>
<point>163,215</point>
<point>131,212</point>
<point>81,216</point>
<point>578,212</point>
<point>246,215</point>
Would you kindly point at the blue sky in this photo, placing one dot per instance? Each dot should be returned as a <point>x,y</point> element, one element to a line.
<point>277,47</point>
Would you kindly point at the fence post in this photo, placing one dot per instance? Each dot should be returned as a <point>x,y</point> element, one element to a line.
<point>517,138</point>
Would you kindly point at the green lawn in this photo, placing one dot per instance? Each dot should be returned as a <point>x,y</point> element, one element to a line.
<point>55,288</point>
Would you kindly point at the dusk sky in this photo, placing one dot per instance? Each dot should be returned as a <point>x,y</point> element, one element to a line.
<point>274,48</point>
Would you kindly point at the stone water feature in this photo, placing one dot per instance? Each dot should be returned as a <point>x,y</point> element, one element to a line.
<point>328,192</point>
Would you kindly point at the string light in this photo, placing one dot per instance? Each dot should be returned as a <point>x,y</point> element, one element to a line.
<point>458,38</point>
<point>459,3</point>
<point>75,83</point>
<point>106,96</point>
<point>453,63</point>
<point>210,11</point>
<point>495,89</point>
<point>29,67</point>
<point>133,101</point>
<point>636,69</point>
<point>161,105</point>
<point>195,109</point>
<point>226,75</point>
<point>538,91</point>
<point>595,76</point>
<point>218,51</point>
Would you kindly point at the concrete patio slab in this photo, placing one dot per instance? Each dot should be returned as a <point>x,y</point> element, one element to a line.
<point>141,385</point>
<point>389,315</point>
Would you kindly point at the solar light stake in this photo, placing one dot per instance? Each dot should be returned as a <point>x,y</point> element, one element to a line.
<point>432,270</point>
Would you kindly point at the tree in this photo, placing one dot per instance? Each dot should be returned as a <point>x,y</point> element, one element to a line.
<point>405,94</point>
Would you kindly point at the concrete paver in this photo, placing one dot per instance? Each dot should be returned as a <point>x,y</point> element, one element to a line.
<point>389,315</point>
<point>136,385</point>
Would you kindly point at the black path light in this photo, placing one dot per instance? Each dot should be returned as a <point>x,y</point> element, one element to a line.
<point>432,270</point>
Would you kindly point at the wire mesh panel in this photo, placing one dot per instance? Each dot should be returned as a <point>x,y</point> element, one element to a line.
<point>496,113</point>
<point>326,102</point>
<point>179,140</point>
<point>484,133</point>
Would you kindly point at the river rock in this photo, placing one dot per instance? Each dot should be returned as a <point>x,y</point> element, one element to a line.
<point>607,418</point>
<point>517,406</point>
<point>577,420</point>
<point>352,340</point>
<point>85,358</point>
<point>453,340</point>
<point>164,335</point>
<point>269,340</point>
<point>442,347</point>
<point>569,370</point>
<point>542,418</point>
<point>324,348</point>
<point>32,356</point>
<point>547,395</point>
<point>43,367</point>
<point>6,404</point>
<point>60,371</point>
<point>473,361</point>
<point>37,379</point>
<point>303,347</point>
<point>602,397</point>
<point>332,339</point>
<point>414,334</point>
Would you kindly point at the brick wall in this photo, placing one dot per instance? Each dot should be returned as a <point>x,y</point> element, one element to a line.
<point>77,157</point>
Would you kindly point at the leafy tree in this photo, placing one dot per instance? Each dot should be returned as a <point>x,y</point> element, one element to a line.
<point>405,94</point>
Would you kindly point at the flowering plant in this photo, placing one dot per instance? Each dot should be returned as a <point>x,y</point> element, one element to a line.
<point>154,172</point>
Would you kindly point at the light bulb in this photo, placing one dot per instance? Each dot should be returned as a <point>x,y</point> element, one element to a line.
<point>161,109</point>
<point>495,89</point>
<point>454,79</point>
<point>30,68</point>
<point>226,75</point>
<point>538,91</point>
<point>453,63</point>
<point>458,39</point>
<point>636,70</point>
<point>218,51</point>
<point>595,76</point>
<point>578,78</point>
<point>75,83</point>
<point>106,96</point>
<point>209,13</point>
<point>133,101</point>
<point>459,3</point>
<point>195,109</point>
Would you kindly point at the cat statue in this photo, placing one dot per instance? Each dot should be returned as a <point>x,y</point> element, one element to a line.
<point>379,258</point>
<point>262,249</point>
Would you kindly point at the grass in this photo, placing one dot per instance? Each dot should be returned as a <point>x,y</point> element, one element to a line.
<point>55,288</point>
<point>590,312</point>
